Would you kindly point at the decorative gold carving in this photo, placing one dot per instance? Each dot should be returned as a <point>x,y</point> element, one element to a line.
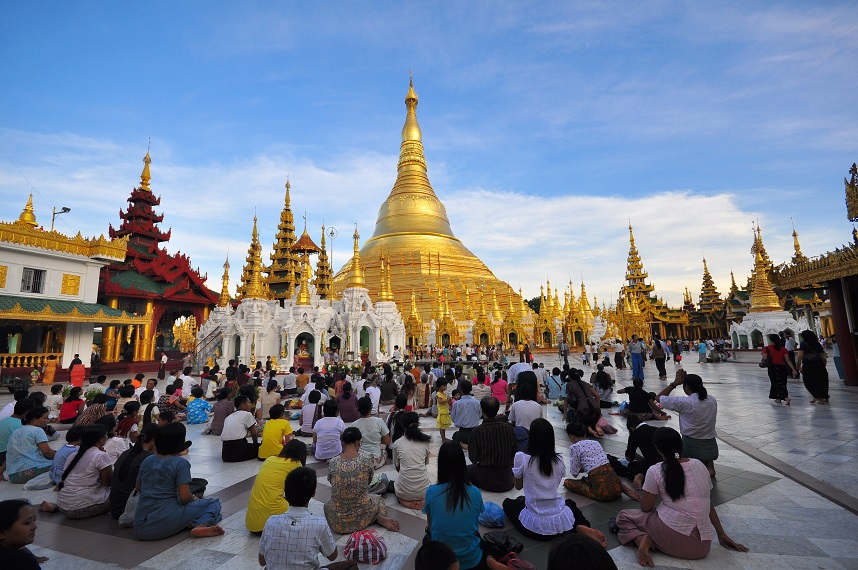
<point>3,270</point>
<point>70,284</point>
<point>99,247</point>
<point>852,194</point>
<point>17,313</point>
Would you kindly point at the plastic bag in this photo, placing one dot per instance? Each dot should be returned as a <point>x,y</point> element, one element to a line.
<point>39,482</point>
<point>126,519</point>
<point>493,516</point>
<point>365,546</point>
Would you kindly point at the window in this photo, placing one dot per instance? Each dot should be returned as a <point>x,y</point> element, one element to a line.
<point>33,281</point>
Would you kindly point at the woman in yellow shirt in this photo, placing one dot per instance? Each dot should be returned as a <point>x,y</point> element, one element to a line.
<point>266,497</point>
<point>277,431</point>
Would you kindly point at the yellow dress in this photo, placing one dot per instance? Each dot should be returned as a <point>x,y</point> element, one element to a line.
<point>443,421</point>
<point>266,497</point>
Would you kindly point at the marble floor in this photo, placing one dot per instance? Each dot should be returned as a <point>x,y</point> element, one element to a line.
<point>786,488</point>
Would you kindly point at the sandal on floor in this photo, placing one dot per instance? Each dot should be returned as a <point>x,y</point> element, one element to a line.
<point>612,526</point>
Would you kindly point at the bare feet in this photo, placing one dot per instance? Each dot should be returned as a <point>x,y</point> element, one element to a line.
<point>203,531</point>
<point>47,507</point>
<point>644,545</point>
<point>415,505</point>
<point>388,523</point>
<point>639,481</point>
<point>596,535</point>
<point>631,493</point>
<point>788,400</point>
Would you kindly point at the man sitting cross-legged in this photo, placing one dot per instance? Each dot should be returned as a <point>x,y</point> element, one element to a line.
<point>491,449</point>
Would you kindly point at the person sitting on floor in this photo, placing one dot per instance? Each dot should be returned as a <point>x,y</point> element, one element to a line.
<point>682,525</point>
<point>127,467</point>
<point>410,457</point>
<point>63,453</point>
<point>311,411</point>
<point>542,514</point>
<point>166,505</point>
<point>170,401</point>
<point>375,436</point>
<point>266,496</point>
<point>327,433</point>
<point>640,438</point>
<point>73,406</point>
<point>198,409</point>
<point>11,423</point>
<point>128,422</point>
<point>236,428</point>
<point>600,481</point>
<point>222,408</point>
<point>84,489</point>
<point>115,445</point>
<point>642,404</point>
<point>150,409</point>
<point>491,449</point>
<point>28,453</point>
<point>296,538</point>
<point>276,432</point>
<point>465,414</point>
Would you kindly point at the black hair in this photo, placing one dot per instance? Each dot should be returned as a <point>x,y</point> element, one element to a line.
<point>603,379</point>
<point>123,464</point>
<point>109,421</point>
<point>314,397</point>
<point>101,398</point>
<point>490,406</point>
<point>275,412</point>
<point>434,555</point>
<point>74,395</point>
<point>222,394</point>
<point>23,406</point>
<point>632,421</point>
<point>239,401</point>
<point>364,406</point>
<point>668,442</point>
<point>113,384</point>
<point>466,386</point>
<point>170,439</point>
<point>410,422</point>
<point>694,383</point>
<point>38,398</point>
<point>170,389</point>
<point>56,389</point>
<point>498,376</point>
<point>526,386</point>
<point>776,340</point>
<point>300,486</point>
<point>578,552</point>
<point>34,413</point>
<point>401,401</point>
<point>126,391</point>
<point>271,386</point>
<point>453,471</point>
<point>540,446</point>
<point>24,394</point>
<point>481,374</point>
<point>810,338</point>
<point>347,390</point>
<point>577,429</point>
<point>10,512</point>
<point>296,450</point>
<point>167,416</point>
<point>330,409</point>
<point>74,433</point>
<point>91,435</point>
<point>197,392</point>
<point>351,435</point>
<point>637,382</point>
<point>129,409</point>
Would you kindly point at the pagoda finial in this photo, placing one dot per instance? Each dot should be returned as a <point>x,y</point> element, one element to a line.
<point>288,197</point>
<point>763,297</point>
<point>324,274</point>
<point>356,274</point>
<point>411,130</point>
<point>304,291</point>
<point>385,295</point>
<point>496,314</point>
<point>253,286</point>
<point>631,235</point>
<point>144,176</point>
<point>223,301</point>
<point>798,256</point>
<point>28,215</point>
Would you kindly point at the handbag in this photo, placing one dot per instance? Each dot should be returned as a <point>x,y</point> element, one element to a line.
<point>126,519</point>
<point>764,362</point>
<point>513,561</point>
<point>498,544</point>
<point>365,546</point>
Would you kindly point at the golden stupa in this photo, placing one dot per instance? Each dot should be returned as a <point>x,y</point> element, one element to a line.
<point>421,255</point>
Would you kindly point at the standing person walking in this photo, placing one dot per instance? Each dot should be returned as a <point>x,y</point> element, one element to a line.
<point>619,355</point>
<point>564,351</point>
<point>659,355</point>
<point>636,349</point>
<point>810,357</point>
<point>162,369</point>
<point>777,360</point>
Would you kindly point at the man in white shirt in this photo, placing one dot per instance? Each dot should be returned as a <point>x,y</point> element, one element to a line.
<point>374,393</point>
<point>790,345</point>
<point>188,383</point>
<point>236,427</point>
<point>359,390</point>
<point>98,384</point>
<point>150,385</point>
<point>289,385</point>
<point>619,355</point>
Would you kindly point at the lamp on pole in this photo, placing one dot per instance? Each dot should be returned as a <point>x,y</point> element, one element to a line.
<point>63,210</point>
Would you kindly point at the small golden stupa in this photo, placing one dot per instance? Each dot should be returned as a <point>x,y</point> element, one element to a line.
<point>414,246</point>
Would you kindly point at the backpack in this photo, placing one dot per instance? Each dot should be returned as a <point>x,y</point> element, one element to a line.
<point>365,546</point>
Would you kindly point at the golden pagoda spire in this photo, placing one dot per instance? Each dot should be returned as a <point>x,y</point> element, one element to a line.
<point>304,291</point>
<point>763,298</point>
<point>798,256</point>
<point>144,176</point>
<point>356,274</point>
<point>384,293</point>
<point>252,286</point>
<point>282,274</point>
<point>523,304</point>
<point>324,274</point>
<point>733,287</point>
<point>414,312</point>
<point>510,309</point>
<point>28,215</point>
<point>223,301</point>
<point>496,314</point>
<point>469,311</point>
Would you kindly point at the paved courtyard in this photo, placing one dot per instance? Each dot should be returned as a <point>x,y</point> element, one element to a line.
<point>786,488</point>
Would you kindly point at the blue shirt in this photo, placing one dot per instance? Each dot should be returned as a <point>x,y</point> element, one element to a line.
<point>23,450</point>
<point>466,413</point>
<point>7,426</point>
<point>459,529</point>
<point>198,411</point>
<point>59,465</point>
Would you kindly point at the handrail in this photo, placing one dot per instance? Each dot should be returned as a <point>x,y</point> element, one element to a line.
<point>28,359</point>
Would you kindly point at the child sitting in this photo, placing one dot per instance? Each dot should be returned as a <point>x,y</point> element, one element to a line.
<point>71,445</point>
<point>198,408</point>
<point>127,423</point>
<point>296,538</point>
<point>310,414</point>
<point>166,417</point>
<point>170,402</point>
<point>600,481</point>
<point>150,410</point>
<point>54,402</point>
<point>276,432</point>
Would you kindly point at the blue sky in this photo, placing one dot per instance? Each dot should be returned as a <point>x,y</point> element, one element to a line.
<point>547,126</point>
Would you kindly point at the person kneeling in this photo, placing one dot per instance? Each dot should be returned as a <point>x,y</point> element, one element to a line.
<point>295,538</point>
<point>236,428</point>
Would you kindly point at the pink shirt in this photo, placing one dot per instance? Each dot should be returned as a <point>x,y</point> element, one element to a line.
<point>499,390</point>
<point>692,509</point>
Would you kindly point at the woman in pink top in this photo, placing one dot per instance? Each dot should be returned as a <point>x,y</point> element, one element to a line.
<point>682,524</point>
<point>498,387</point>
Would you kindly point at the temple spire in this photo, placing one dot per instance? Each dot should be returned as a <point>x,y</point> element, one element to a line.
<point>385,295</point>
<point>304,291</point>
<point>144,176</point>
<point>496,314</point>
<point>763,297</point>
<point>223,301</point>
<point>733,287</point>
<point>252,285</point>
<point>28,215</point>
<point>798,256</point>
<point>710,298</point>
<point>635,274</point>
<point>324,274</point>
<point>283,272</point>
<point>356,274</point>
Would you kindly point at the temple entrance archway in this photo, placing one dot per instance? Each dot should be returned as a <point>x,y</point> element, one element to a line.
<point>579,338</point>
<point>546,337</point>
<point>365,336</point>
<point>445,339</point>
<point>335,343</point>
<point>513,338</point>
<point>756,339</point>
<point>484,339</point>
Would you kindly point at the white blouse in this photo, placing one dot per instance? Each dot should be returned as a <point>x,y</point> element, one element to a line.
<point>545,512</point>
<point>585,456</point>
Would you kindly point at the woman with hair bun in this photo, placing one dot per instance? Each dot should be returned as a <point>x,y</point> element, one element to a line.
<point>410,457</point>
<point>682,525</point>
<point>697,413</point>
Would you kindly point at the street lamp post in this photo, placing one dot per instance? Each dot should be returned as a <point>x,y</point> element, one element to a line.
<point>63,210</point>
